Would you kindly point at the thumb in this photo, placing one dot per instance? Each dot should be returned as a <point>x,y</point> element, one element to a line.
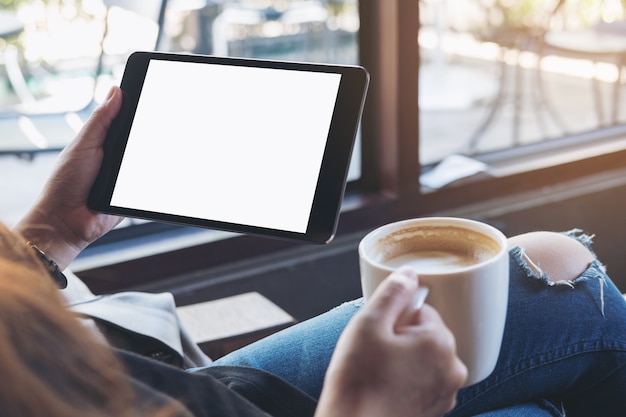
<point>95,128</point>
<point>394,295</point>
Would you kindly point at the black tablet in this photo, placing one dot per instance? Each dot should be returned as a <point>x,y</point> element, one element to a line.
<point>250,146</point>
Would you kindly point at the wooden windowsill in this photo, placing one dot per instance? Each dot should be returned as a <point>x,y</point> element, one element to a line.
<point>223,325</point>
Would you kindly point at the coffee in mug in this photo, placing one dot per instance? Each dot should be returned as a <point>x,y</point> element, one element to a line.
<point>464,263</point>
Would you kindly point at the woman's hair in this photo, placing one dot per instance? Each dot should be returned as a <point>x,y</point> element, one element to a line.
<point>51,365</point>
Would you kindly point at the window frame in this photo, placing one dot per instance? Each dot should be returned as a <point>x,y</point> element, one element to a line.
<point>389,187</point>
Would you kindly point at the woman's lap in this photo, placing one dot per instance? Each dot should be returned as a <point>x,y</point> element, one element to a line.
<point>560,341</point>
<point>301,353</point>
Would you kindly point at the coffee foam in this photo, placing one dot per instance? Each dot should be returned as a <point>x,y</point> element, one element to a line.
<point>464,243</point>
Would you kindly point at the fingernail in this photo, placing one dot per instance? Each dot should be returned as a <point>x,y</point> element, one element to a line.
<point>110,93</point>
<point>407,276</point>
<point>408,271</point>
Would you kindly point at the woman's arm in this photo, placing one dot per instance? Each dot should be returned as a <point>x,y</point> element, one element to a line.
<point>59,222</point>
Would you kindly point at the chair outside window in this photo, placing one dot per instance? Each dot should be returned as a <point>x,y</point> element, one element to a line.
<point>597,39</point>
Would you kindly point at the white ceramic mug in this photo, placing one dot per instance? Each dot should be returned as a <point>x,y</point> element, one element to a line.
<point>465,265</point>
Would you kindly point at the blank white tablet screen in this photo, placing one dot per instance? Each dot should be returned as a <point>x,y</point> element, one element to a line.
<point>228,143</point>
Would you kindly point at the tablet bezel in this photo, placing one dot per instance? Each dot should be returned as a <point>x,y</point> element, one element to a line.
<point>334,166</point>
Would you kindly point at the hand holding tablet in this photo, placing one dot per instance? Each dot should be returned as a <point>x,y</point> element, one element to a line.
<point>250,146</point>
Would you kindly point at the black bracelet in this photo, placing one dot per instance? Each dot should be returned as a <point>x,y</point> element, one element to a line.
<point>50,265</point>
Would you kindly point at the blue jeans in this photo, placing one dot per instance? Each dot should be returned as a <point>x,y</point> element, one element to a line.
<point>564,348</point>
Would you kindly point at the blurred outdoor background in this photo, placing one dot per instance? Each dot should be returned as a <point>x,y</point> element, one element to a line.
<point>495,74</point>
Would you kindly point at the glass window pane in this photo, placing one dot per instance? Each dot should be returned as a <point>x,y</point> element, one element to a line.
<point>60,58</point>
<point>499,74</point>
<point>292,30</point>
